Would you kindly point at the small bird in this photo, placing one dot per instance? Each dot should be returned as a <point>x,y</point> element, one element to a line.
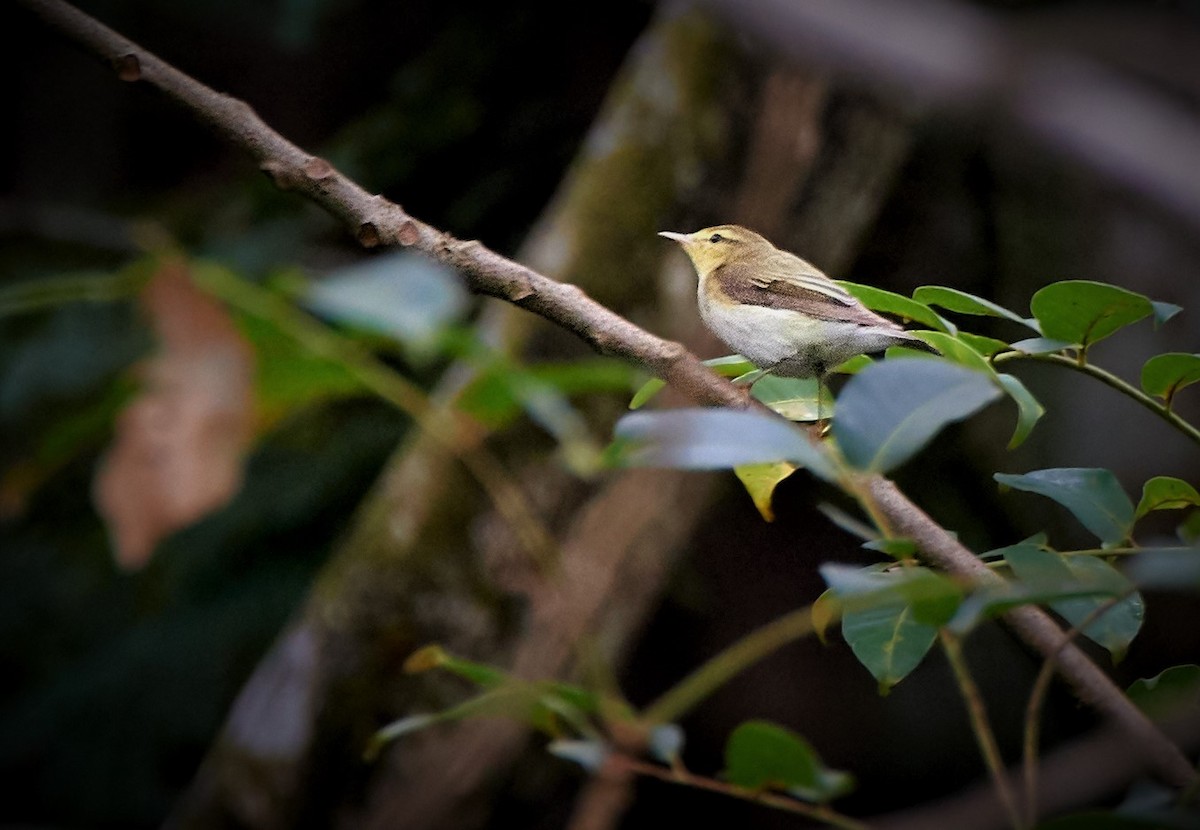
<point>777,310</point>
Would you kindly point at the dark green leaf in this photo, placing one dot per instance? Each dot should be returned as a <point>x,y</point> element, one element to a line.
<point>1166,493</point>
<point>890,410</point>
<point>763,756</point>
<point>1165,374</point>
<point>706,439</point>
<point>952,348</point>
<point>1084,312</point>
<point>889,302</point>
<point>890,617</point>
<point>1115,627</point>
<point>794,398</point>
<point>1093,495</point>
<point>1168,693</point>
<point>1188,530</point>
<point>952,299</point>
<point>1029,409</point>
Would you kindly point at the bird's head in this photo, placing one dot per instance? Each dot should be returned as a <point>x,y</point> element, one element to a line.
<point>710,248</point>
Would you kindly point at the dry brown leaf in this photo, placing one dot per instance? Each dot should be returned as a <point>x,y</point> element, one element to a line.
<point>178,450</point>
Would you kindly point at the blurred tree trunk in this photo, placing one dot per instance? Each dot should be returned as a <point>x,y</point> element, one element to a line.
<point>695,130</point>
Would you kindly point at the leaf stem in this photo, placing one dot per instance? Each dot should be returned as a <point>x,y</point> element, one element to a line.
<point>980,726</point>
<point>718,670</point>
<point>1111,380</point>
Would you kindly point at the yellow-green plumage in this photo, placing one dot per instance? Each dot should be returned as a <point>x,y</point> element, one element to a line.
<point>778,310</point>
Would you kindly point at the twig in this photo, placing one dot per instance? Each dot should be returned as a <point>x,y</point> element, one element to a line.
<point>679,775</point>
<point>375,221</point>
<point>984,735</point>
<point>1037,698</point>
<point>1111,380</point>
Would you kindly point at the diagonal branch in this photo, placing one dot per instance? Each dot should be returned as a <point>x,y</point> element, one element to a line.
<point>376,221</point>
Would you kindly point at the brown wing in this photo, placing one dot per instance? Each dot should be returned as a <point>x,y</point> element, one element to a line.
<point>805,290</point>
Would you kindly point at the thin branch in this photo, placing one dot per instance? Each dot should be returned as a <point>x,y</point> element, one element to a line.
<point>376,221</point>
<point>1111,380</point>
<point>679,775</point>
<point>984,735</point>
<point>1037,698</point>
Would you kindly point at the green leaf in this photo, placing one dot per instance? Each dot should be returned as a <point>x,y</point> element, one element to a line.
<point>1083,312</point>
<point>764,756</point>
<point>986,346</point>
<point>760,481</point>
<point>1041,345</point>
<point>794,398</point>
<point>854,365</point>
<point>1093,495</point>
<point>890,617</point>
<point>1042,587</point>
<point>826,610</point>
<point>1166,493</point>
<point>434,656</point>
<point>890,410</point>
<point>730,366</point>
<point>877,299</point>
<point>1168,693</point>
<point>709,439</point>
<point>956,350</point>
<point>1029,409</point>
<point>1116,627</point>
<point>1165,374</point>
<point>952,299</point>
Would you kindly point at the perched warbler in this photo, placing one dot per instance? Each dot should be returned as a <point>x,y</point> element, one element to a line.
<point>777,310</point>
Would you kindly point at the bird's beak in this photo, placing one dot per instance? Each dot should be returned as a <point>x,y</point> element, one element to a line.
<point>678,237</point>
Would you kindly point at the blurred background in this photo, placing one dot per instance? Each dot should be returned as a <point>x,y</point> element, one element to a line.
<point>220,537</point>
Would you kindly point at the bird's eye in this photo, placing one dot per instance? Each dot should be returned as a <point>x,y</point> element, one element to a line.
<point>716,237</point>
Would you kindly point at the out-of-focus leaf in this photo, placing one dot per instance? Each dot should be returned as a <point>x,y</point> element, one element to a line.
<point>1093,495</point>
<point>590,755</point>
<point>1083,312</point>
<point>1166,569</point>
<point>986,346</point>
<point>794,398</point>
<point>764,756</point>
<point>854,365</point>
<point>826,610</point>
<point>760,481</point>
<point>1169,692</point>
<point>890,410</point>
<point>1188,530</point>
<point>179,445</point>
<point>1116,627</point>
<point>434,656</point>
<point>665,742</point>
<point>1165,374</point>
<point>710,439</point>
<point>847,522</point>
<point>400,294</point>
<point>889,302</point>
<point>952,299</point>
<point>1166,493</point>
<point>895,548</point>
<point>1029,408</point>
<point>730,366</point>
